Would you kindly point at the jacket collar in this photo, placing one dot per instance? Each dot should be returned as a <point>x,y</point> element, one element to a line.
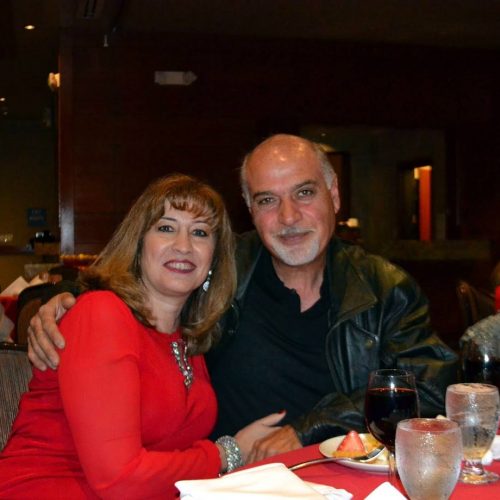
<point>345,277</point>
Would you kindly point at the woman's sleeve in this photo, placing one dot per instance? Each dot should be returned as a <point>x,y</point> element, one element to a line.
<point>101,395</point>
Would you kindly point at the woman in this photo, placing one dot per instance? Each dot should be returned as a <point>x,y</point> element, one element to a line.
<point>127,413</point>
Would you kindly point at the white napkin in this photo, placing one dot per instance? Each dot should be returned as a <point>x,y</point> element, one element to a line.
<point>36,281</point>
<point>270,481</point>
<point>329,492</point>
<point>493,453</point>
<point>16,287</point>
<point>495,448</point>
<point>19,284</point>
<point>385,491</point>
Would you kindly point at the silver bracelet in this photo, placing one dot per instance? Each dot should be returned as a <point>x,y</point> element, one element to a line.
<point>232,451</point>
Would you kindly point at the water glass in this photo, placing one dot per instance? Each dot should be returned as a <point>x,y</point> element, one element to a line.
<point>480,352</point>
<point>476,408</point>
<point>428,457</point>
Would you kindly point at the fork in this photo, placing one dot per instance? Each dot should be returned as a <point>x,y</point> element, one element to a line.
<point>363,459</point>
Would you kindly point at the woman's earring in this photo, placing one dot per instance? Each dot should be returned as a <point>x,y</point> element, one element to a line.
<point>206,283</point>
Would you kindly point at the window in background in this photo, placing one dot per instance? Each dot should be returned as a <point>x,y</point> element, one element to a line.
<point>415,206</point>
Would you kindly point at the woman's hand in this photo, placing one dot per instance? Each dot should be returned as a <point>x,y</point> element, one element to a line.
<point>44,335</point>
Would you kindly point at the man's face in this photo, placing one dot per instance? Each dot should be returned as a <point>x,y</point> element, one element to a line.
<point>292,207</point>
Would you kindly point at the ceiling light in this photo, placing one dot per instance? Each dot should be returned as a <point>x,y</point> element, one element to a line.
<point>29,27</point>
<point>3,99</point>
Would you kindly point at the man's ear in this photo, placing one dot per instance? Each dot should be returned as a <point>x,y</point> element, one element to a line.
<point>334,193</point>
<point>249,206</point>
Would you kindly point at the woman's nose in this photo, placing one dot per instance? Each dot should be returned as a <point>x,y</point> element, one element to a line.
<point>182,242</point>
<point>288,212</point>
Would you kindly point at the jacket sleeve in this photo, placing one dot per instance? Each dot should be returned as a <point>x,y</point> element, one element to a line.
<point>61,287</point>
<point>334,415</point>
<point>399,322</point>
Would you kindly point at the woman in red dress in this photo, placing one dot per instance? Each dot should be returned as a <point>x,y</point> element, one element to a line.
<point>128,411</point>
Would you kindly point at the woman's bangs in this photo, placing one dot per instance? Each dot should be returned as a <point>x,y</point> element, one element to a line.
<point>196,204</point>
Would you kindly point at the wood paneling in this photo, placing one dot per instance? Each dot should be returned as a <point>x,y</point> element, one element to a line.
<point>118,130</point>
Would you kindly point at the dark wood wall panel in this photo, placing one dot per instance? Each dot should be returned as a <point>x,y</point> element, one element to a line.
<point>121,130</point>
<point>91,230</point>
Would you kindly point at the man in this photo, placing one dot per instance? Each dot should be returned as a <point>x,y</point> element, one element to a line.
<point>312,315</point>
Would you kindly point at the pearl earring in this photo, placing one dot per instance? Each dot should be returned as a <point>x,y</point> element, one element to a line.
<point>206,283</point>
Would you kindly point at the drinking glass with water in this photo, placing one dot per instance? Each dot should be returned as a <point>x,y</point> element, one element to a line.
<point>428,456</point>
<point>476,409</point>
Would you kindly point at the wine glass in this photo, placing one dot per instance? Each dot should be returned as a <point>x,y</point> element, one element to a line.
<point>429,455</point>
<point>481,353</point>
<point>476,408</point>
<point>391,396</point>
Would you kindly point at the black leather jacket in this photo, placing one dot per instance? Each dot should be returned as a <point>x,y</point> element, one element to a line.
<point>383,322</point>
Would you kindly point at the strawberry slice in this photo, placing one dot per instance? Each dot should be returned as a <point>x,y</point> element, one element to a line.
<point>352,442</point>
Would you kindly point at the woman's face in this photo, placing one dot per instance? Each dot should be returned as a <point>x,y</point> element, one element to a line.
<point>177,254</point>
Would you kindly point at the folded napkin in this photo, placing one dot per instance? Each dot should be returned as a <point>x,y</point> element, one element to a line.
<point>385,491</point>
<point>36,281</point>
<point>16,287</point>
<point>493,453</point>
<point>19,284</point>
<point>270,481</point>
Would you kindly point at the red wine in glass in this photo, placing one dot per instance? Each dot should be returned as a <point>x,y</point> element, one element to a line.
<point>385,407</point>
<point>391,396</point>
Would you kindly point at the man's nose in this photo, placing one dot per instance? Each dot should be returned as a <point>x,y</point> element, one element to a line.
<point>289,213</point>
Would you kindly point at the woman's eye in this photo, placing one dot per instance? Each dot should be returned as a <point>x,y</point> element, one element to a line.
<point>164,228</point>
<point>200,232</point>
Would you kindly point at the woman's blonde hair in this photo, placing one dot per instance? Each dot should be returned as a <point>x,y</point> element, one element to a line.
<point>118,267</point>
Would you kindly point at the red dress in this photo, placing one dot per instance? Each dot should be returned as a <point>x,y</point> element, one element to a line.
<point>115,420</point>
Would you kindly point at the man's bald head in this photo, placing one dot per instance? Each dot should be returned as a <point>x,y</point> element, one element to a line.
<point>278,148</point>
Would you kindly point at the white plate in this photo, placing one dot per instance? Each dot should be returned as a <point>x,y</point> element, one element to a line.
<point>379,465</point>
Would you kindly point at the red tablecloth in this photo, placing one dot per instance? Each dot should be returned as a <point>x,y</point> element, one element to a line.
<point>9,303</point>
<point>361,483</point>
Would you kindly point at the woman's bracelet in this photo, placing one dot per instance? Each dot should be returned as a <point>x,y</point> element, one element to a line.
<point>232,451</point>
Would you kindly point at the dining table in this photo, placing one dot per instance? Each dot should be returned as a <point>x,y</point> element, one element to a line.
<point>360,483</point>
<point>9,303</point>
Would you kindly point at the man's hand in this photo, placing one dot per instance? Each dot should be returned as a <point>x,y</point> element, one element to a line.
<point>280,441</point>
<point>43,333</point>
<point>258,429</point>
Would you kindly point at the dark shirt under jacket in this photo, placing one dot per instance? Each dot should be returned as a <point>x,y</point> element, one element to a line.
<point>277,360</point>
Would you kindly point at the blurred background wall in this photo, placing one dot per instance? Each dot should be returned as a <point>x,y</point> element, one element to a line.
<point>386,86</point>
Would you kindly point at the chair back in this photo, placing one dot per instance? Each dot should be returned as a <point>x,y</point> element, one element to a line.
<point>495,276</point>
<point>15,374</point>
<point>475,303</point>
<point>28,303</point>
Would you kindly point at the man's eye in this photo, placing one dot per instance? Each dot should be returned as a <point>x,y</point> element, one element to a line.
<point>265,201</point>
<point>305,193</point>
